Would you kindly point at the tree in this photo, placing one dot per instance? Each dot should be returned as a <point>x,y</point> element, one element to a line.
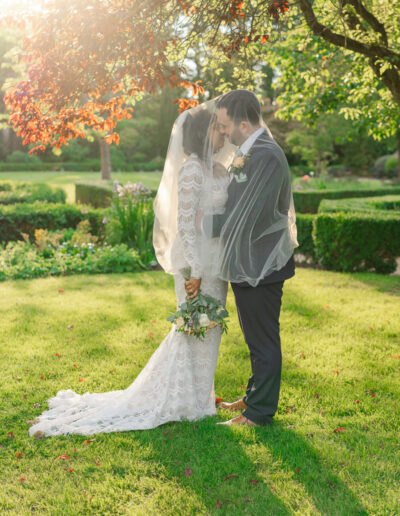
<point>84,66</point>
<point>111,50</point>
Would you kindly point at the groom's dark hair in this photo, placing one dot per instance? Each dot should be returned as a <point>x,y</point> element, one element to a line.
<point>241,105</point>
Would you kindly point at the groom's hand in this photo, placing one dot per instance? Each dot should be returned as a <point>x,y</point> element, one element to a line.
<point>192,287</point>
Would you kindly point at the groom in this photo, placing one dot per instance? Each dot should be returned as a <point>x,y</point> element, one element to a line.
<point>261,168</point>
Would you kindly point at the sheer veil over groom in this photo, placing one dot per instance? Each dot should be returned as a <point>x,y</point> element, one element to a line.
<point>257,236</point>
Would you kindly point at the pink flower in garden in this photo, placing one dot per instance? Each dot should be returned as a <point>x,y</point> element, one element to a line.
<point>306,177</point>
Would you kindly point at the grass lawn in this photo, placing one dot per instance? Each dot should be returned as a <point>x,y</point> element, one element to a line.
<point>340,341</point>
<point>67,180</point>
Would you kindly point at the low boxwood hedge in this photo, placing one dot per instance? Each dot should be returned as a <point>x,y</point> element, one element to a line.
<point>354,242</point>
<point>369,204</point>
<point>98,196</point>
<point>95,195</point>
<point>25,218</point>
<point>309,201</point>
<point>16,192</point>
<point>304,222</point>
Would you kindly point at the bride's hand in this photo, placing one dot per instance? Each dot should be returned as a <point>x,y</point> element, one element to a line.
<point>192,287</point>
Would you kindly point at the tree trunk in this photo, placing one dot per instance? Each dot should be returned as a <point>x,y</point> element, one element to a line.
<point>105,159</point>
<point>398,152</point>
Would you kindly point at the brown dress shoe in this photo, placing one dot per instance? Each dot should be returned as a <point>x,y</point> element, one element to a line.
<point>240,420</point>
<point>236,405</point>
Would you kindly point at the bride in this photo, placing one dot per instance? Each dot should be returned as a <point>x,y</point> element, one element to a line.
<point>177,383</point>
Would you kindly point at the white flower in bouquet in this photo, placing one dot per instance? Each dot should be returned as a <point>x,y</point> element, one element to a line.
<point>204,320</point>
<point>179,322</point>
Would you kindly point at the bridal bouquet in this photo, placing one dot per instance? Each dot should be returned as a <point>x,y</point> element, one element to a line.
<point>197,315</point>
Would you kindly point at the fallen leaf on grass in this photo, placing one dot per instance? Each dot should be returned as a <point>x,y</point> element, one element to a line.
<point>357,401</point>
<point>253,481</point>
<point>22,479</point>
<point>298,470</point>
<point>218,504</point>
<point>19,454</point>
<point>10,434</point>
<point>63,457</point>
<point>231,476</point>
<point>218,400</point>
<point>75,366</point>
<point>188,472</point>
<point>339,430</point>
<point>81,380</point>
<point>98,464</point>
<point>88,441</point>
<point>58,355</point>
<point>335,371</point>
<point>60,290</point>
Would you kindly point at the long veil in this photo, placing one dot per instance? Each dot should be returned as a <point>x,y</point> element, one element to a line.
<point>257,232</point>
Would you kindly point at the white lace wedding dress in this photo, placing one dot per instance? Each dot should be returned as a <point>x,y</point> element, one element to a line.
<point>177,383</point>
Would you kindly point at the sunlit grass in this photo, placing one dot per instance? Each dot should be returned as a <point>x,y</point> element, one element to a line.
<point>340,340</point>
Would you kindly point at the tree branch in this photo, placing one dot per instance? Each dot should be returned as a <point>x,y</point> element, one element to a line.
<point>371,51</point>
<point>370,19</point>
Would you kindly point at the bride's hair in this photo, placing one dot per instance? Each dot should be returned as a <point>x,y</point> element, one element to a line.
<point>195,129</point>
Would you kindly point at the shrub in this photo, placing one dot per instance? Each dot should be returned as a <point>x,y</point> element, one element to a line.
<point>22,260</point>
<point>95,195</point>
<point>31,192</point>
<point>391,166</point>
<point>25,218</point>
<point>304,224</point>
<point>309,201</point>
<point>353,242</point>
<point>369,204</point>
<point>22,157</point>
<point>132,219</point>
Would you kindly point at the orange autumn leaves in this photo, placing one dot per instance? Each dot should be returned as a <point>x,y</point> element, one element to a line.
<point>83,66</point>
<point>84,63</point>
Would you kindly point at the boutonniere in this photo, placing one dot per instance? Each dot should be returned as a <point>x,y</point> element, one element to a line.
<point>237,166</point>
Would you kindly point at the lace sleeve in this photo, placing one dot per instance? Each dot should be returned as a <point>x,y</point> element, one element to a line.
<point>189,190</point>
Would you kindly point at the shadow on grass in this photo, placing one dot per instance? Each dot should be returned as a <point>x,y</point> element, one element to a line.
<point>221,469</point>
<point>380,282</point>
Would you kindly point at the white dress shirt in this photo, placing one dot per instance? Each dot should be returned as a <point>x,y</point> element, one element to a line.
<point>247,144</point>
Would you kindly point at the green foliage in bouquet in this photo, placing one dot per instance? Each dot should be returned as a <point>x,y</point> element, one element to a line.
<point>196,316</point>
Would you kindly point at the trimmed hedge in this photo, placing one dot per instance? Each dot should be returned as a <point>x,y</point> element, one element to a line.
<point>25,218</point>
<point>304,222</point>
<point>16,192</point>
<point>98,196</point>
<point>370,204</point>
<point>95,195</point>
<point>309,201</point>
<point>355,242</point>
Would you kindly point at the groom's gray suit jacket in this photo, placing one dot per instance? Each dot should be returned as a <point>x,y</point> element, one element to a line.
<point>260,155</point>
